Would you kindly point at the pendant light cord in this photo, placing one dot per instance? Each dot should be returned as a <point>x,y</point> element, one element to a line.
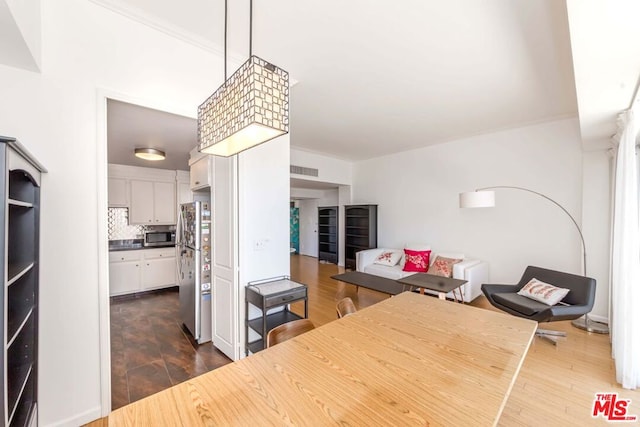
<point>225,40</point>
<point>250,28</point>
<point>225,34</point>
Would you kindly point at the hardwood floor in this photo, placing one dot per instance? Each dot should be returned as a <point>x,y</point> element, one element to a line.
<point>150,351</point>
<point>556,385</point>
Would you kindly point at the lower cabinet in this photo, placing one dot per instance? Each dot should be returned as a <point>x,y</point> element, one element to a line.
<point>141,270</point>
<point>124,272</point>
<point>159,269</point>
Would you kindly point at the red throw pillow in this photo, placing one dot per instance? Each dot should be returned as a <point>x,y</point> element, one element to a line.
<point>416,261</point>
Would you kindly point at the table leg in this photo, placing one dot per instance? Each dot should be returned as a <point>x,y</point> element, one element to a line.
<point>455,295</point>
<point>422,292</point>
<point>441,295</point>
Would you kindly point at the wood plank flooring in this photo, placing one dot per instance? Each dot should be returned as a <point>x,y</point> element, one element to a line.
<point>556,386</point>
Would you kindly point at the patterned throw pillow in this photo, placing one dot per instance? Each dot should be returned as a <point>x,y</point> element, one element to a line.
<point>543,292</point>
<point>443,266</point>
<point>416,261</point>
<point>389,258</point>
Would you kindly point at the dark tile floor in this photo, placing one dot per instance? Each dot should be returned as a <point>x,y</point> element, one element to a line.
<point>150,351</point>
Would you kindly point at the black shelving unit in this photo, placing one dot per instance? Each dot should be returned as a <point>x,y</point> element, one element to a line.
<point>269,295</point>
<point>328,234</point>
<point>20,191</point>
<point>360,231</point>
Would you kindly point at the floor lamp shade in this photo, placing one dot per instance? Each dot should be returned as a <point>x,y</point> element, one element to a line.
<point>478,199</point>
<point>250,108</point>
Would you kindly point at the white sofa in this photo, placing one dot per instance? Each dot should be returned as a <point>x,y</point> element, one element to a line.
<point>474,271</point>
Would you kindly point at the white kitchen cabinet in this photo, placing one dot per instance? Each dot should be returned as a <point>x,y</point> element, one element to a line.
<point>118,197</point>
<point>159,268</point>
<point>141,270</point>
<point>184,193</point>
<point>183,188</point>
<point>152,203</point>
<point>199,177</point>
<point>164,202</point>
<point>124,272</point>
<point>141,211</point>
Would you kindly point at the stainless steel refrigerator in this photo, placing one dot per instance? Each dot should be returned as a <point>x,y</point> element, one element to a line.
<point>193,246</point>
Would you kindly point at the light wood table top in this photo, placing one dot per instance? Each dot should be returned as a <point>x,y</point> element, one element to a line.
<point>409,360</point>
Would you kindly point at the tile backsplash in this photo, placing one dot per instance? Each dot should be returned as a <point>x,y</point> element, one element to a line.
<point>119,227</point>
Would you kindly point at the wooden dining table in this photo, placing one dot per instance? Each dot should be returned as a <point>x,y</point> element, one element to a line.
<point>408,360</point>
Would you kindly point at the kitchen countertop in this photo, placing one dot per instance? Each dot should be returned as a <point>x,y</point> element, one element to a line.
<point>132,245</point>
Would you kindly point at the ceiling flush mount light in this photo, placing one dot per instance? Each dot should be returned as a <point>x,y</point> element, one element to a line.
<point>149,154</point>
<point>251,107</point>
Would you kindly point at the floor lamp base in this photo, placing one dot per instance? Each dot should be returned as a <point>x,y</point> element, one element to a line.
<point>589,325</point>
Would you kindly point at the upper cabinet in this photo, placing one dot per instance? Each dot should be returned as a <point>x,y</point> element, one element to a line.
<point>164,202</point>
<point>118,193</point>
<point>152,203</point>
<point>152,195</point>
<point>200,177</point>
<point>183,189</point>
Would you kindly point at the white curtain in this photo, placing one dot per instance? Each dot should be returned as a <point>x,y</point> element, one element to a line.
<point>625,273</point>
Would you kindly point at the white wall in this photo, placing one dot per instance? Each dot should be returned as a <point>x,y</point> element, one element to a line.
<point>596,225</point>
<point>27,17</point>
<point>306,193</point>
<point>330,169</point>
<point>54,114</point>
<point>263,217</point>
<point>417,193</point>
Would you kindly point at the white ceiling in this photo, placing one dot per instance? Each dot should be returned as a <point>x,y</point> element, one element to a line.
<point>131,126</point>
<point>379,77</point>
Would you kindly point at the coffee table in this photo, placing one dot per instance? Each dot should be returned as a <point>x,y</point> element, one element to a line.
<point>369,281</point>
<point>440,284</point>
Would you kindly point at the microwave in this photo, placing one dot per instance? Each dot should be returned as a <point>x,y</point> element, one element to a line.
<point>159,238</point>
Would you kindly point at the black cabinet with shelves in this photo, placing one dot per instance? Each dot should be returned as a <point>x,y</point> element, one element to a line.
<point>20,192</point>
<point>360,231</point>
<point>328,234</point>
<point>272,297</point>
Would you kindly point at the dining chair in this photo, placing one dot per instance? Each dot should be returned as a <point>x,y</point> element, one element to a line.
<point>288,330</point>
<point>345,307</point>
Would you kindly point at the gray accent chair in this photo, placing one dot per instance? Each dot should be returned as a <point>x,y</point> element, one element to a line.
<point>578,302</point>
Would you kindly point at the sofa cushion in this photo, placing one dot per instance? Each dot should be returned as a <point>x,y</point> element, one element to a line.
<point>416,261</point>
<point>394,272</point>
<point>388,257</point>
<point>413,247</point>
<point>443,266</point>
<point>524,305</point>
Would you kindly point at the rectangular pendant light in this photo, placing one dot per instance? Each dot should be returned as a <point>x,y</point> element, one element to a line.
<point>250,108</point>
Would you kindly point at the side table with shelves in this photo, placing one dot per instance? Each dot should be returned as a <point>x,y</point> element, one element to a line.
<point>266,295</point>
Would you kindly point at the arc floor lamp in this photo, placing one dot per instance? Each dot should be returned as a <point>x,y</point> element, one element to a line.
<point>485,198</point>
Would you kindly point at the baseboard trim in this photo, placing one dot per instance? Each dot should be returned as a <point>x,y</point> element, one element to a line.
<point>78,420</point>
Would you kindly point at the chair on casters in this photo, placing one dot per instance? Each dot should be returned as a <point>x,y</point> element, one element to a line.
<point>288,330</point>
<point>345,307</point>
<point>578,302</point>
